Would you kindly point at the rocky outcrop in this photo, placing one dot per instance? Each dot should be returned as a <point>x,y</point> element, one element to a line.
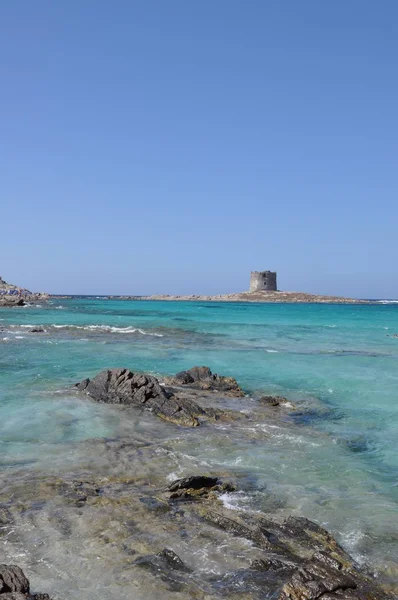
<point>10,301</point>
<point>15,586</point>
<point>122,386</point>
<point>13,295</point>
<point>202,378</point>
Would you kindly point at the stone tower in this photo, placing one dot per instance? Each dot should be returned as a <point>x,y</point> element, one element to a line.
<point>261,281</point>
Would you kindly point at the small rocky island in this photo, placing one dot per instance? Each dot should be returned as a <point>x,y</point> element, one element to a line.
<point>263,288</point>
<point>13,295</point>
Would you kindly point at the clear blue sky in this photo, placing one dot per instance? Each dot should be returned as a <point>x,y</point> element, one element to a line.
<point>172,146</point>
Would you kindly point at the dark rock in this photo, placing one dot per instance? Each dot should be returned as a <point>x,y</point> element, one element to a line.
<point>271,564</point>
<point>314,581</point>
<point>37,330</point>
<point>194,482</point>
<point>202,378</point>
<point>172,560</point>
<point>121,386</point>
<point>239,529</point>
<point>12,579</point>
<point>197,486</point>
<point>15,586</point>
<point>273,400</point>
<point>165,562</point>
<point>183,378</point>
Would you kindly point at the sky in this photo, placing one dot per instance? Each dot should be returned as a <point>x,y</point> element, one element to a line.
<point>172,147</point>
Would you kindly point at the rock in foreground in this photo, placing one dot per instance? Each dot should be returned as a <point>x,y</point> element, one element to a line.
<point>15,586</point>
<point>175,402</point>
<point>121,386</point>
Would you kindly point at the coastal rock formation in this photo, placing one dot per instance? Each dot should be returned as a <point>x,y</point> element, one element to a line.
<point>122,386</point>
<point>15,586</point>
<point>179,401</point>
<point>13,295</point>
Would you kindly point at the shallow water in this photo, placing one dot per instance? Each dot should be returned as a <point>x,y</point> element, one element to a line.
<point>334,460</point>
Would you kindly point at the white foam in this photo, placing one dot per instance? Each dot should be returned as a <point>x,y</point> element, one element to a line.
<point>273,351</point>
<point>19,337</point>
<point>233,501</point>
<point>108,329</point>
<point>105,328</point>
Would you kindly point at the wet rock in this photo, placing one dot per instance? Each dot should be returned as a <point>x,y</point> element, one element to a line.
<point>121,386</point>
<point>194,482</point>
<point>202,378</point>
<point>12,579</point>
<point>271,564</point>
<point>155,505</point>
<point>79,491</point>
<point>37,330</point>
<point>239,529</point>
<point>196,486</point>
<point>172,560</point>
<point>5,516</point>
<point>15,586</point>
<point>168,565</point>
<point>314,581</point>
<point>273,400</point>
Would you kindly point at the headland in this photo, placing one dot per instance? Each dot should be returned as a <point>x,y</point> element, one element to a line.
<point>14,295</point>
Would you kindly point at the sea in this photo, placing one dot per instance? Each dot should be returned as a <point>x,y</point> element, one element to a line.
<point>333,457</point>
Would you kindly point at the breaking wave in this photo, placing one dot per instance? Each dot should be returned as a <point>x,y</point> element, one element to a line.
<point>99,328</point>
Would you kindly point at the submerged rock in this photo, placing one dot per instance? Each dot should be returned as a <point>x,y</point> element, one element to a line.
<point>273,400</point>
<point>15,586</point>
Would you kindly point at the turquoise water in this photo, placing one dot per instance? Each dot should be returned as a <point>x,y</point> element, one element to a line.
<point>335,460</point>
